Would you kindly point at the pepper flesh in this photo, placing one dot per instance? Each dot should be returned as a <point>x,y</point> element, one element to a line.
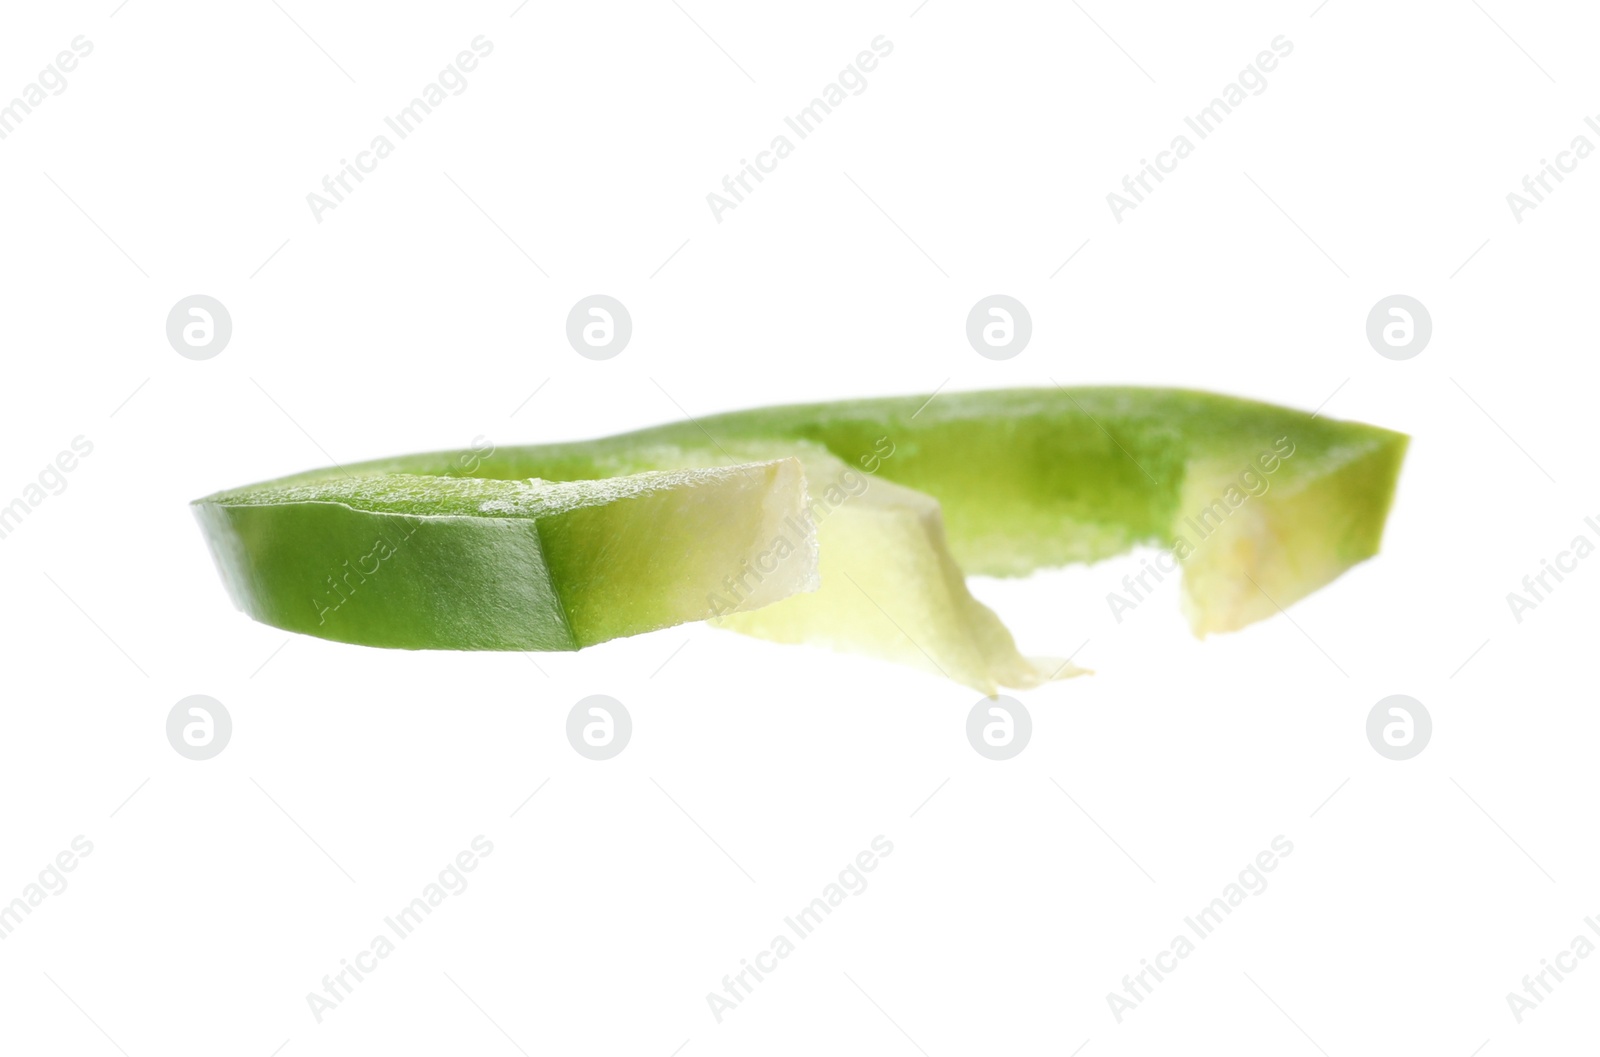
<point>1260,504</point>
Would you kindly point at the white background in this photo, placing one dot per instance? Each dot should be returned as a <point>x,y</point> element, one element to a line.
<point>413,317</point>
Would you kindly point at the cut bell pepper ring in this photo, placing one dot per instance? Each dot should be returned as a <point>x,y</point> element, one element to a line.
<point>845,524</point>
